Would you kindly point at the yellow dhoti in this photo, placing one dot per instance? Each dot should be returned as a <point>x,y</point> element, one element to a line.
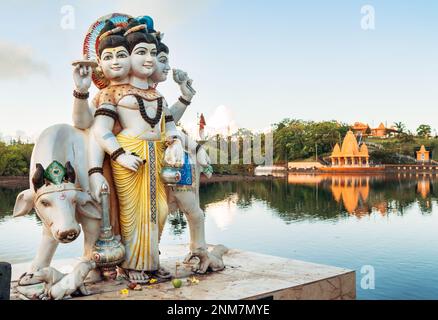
<point>142,203</point>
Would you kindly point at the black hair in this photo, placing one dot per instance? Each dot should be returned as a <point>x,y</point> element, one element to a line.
<point>161,47</point>
<point>137,37</point>
<point>112,41</point>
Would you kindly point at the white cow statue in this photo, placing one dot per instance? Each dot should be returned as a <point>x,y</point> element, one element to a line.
<point>58,193</point>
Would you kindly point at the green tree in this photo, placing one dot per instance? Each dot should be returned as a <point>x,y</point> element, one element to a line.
<point>424,130</point>
<point>15,158</point>
<point>400,127</point>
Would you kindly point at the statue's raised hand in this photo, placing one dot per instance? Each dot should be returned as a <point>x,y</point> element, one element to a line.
<point>185,84</point>
<point>96,182</point>
<point>130,161</point>
<point>82,77</point>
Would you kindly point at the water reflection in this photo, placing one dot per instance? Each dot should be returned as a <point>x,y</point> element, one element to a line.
<point>347,221</point>
<point>302,197</point>
<point>324,197</point>
<point>7,200</point>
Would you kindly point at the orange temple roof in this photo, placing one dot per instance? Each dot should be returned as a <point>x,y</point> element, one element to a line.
<point>350,147</point>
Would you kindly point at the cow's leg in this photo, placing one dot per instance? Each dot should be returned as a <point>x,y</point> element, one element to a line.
<point>45,252</point>
<point>91,228</point>
<point>43,258</point>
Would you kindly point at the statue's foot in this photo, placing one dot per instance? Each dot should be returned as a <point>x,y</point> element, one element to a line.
<point>162,273</point>
<point>139,277</point>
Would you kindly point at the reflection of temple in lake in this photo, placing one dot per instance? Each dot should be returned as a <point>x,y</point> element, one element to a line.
<point>424,187</point>
<point>353,192</point>
<point>361,195</point>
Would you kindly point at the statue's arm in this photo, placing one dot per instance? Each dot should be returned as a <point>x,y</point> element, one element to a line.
<point>187,94</point>
<point>82,114</point>
<point>170,125</point>
<point>102,131</point>
<point>177,110</point>
<point>96,153</point>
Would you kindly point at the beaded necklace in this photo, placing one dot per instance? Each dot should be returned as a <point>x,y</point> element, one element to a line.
<point>152,121</point>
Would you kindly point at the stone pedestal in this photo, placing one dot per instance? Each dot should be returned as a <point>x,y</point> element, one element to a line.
<point>247,275</point>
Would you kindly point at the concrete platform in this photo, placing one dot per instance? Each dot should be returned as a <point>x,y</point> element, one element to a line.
<point>247,276</point>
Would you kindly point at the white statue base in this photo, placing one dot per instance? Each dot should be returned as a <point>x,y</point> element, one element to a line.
<point>247,275</point>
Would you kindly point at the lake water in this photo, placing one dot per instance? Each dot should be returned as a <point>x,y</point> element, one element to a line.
<point>386,225</point>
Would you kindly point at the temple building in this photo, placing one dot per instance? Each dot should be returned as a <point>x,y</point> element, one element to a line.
<point>361,128</point>
<point>350,155</point>
<point>381,131</point>
<point>423,155</point>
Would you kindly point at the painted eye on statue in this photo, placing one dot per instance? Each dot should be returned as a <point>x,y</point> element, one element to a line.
<point>163,60</point>
<point>154,53</point>
<point>122,55</point>
<point>140,52</point>
<point>107,57</point>
<point>45,203</point>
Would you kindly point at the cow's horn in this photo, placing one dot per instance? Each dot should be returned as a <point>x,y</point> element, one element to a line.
<point>70,172</point>
<point>38,177</point>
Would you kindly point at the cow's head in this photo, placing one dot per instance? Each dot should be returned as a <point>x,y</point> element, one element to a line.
<point>57,201</point>
<point>204,161</point>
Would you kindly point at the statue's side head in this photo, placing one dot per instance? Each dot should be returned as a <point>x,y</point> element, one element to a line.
<point>163,67</point>
<point>113,51</point>
<point>142,48</point>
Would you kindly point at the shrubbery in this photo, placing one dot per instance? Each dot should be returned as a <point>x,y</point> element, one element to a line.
<point>15,158</point>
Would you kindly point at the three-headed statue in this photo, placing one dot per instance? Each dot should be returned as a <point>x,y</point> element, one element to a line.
<point>125,141</point>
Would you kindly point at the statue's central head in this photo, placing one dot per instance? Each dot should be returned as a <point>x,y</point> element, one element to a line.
<point>143,50</point>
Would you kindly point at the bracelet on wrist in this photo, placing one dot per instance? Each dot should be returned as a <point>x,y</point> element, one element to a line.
<point>117,154</point>
<point>81,95</point>
<point>184,101</point>
<point>95,170</point>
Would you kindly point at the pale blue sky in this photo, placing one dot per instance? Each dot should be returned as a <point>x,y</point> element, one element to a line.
<point>263,60</point>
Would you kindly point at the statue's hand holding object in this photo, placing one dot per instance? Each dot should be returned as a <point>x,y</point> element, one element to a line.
<point>82,72</point>
<point>185,83</point>
<point>96,181</point>
<point>174,154</point>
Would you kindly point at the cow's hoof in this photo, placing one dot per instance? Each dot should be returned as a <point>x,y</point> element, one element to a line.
<point>31,291</point>
<point>27,279</point>
<point>93,276</point>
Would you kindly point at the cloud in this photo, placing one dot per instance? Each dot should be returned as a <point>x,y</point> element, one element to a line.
<point>19,62</point>
<point>166,13</point>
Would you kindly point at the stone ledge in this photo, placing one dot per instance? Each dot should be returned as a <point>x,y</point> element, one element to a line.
<point>247,275</point>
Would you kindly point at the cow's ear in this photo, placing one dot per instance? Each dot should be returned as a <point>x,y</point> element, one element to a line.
<point>23,203</point>
<point>87,207</point>
<point>38,177</point>
<point>70,172</point>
